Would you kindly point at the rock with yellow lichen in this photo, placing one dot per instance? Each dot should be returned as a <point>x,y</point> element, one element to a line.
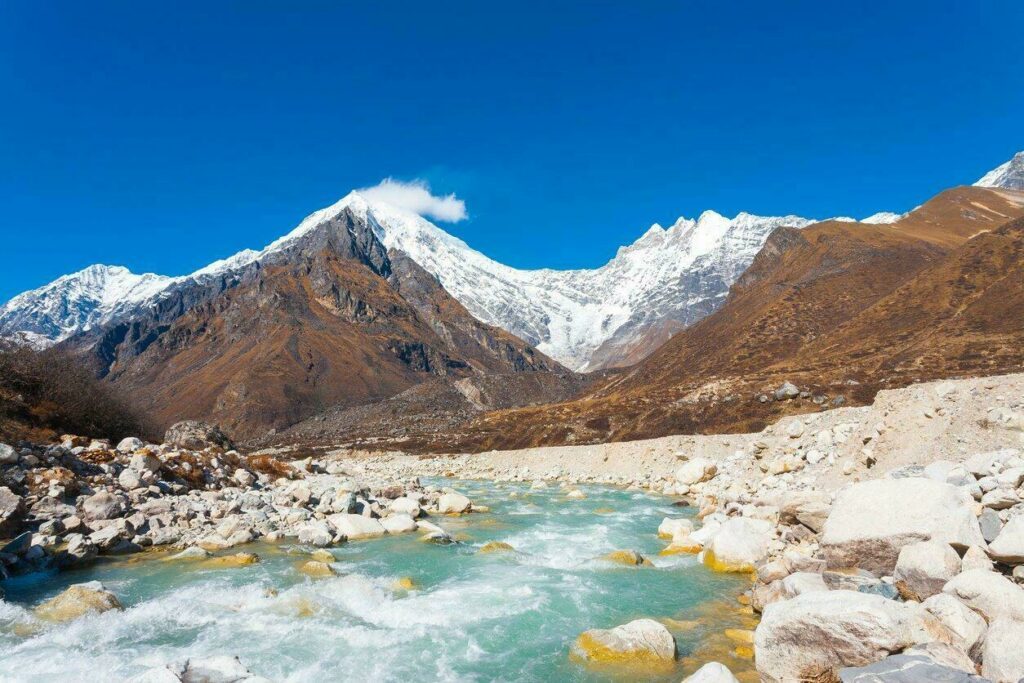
<point>317,569</point>
<point>629,558</point>
<point>77,601</point>
<point>642,643</point>
<point>496,547</point>
<point>236,560</point>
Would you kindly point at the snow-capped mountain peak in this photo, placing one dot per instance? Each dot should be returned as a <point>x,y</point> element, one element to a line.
<point>584,318</point>
<point>1009,176</point>
<point>76,302</point>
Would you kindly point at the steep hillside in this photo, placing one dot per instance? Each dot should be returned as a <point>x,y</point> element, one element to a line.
<point>840,309</point>
<point>332,319</point>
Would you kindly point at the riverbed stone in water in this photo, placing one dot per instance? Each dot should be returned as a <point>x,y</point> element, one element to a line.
<point>496,547</point>
<point>712,672</point>
<point>672,527</point>
<point>398,524</point>
<point>236,560</point>
<point>317,569</point>
<point>641,642</point>
<point>871,522</point>
<point>453,503</point>
<point>628,558</point>
<point>924,568</point>
<point>356,526</point>
<point>739,546</point>
<point>77,601</point>
<point>815,634</point>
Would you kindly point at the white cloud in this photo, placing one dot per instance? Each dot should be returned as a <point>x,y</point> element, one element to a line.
<point>415,196</point>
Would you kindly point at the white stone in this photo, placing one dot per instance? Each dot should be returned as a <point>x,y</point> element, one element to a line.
<point>1008,546</point>
<point>355,526</point>
<point>671,527</point>
<point>871,522</point>
<point>967,625</point>
<point>405,506</point>
<point>712,672</point>
<point>815,634</point>
<point>453,503</point>
<point>695,471</point>
<point>991,594</point>
<point>1003,658</point>
<point>129,444</point>
<point>924,568</point>
<point>398,524</point>
<point>741,543</point>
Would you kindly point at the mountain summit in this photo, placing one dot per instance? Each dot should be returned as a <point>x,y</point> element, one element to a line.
<point>586,319</point>
<point>1009,176</point>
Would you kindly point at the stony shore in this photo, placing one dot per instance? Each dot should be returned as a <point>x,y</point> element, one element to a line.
<point>886,540</point>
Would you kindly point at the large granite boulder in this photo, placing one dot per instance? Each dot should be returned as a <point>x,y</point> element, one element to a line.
<point>815,634</point>
<point>739,546</point>
<point>871,522</point>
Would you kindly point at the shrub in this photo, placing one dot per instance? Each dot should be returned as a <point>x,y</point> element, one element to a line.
<point>50,390</point>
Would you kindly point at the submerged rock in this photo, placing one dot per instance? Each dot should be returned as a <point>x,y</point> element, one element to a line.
<point>629,558</point>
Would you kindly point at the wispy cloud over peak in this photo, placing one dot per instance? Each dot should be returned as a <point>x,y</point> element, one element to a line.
<point>415,196</point>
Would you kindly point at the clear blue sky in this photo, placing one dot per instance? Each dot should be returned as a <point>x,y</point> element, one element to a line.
<point>162,136</point>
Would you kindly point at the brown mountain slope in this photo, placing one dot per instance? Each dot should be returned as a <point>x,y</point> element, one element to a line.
<point>842,308</point>
<point>333,321</point>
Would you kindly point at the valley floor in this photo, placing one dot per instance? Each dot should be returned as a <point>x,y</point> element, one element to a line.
<point>911,426</point>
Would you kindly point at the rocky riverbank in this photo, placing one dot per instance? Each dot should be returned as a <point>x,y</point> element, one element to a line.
<point>883,541</point>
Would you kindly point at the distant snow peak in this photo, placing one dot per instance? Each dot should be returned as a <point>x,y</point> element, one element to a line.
<point>1009,176</point>
<point>882,217</point>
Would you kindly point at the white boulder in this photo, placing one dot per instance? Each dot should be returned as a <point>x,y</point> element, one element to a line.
<point>739,546</point>
<point>871,522</point>
<point>815,634</point>
<point>991,594</point>
<point>1008,546</point>
<point>695,471</point>
<point>967,625</point>
<point>1003,658</point>
<point>453,503</point>
<point>355,526</point>
<point>398,524</point>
